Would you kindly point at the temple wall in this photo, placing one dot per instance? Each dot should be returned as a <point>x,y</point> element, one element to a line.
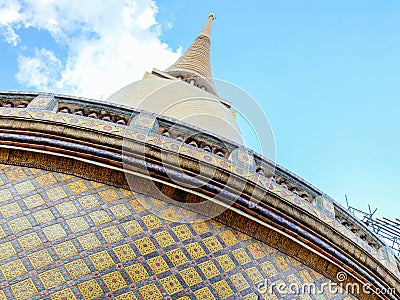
<point>64,237</point>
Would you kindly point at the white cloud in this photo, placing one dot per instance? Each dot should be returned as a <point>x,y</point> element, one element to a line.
<point>10,36</point>
<point>108,43</point>
<point>41,70</point>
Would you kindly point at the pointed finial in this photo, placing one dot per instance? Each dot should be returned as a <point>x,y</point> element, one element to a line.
<point>195,65</point>
<point>206,31</point>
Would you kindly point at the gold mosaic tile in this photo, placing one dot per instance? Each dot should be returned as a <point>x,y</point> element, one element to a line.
<point>6,250</point>
<point>13,269</point>
<point>241,256</point>
<point>243,236</point>
<point>15,174</point>
<point>158,264</point>
<point>187,214</point>
<point>190,276</point>
<point>145,246</point>
<point>2,233</point>
<point>269,249</point>
<point>177,257</point>
<point>239,281</point>
<point>5,195</point>
<point>24,289</point>
<point>66,208</point>
<point>88,202</point>
<point>77,224</point>
<point>171,284</point>
<point>136,205</point>
<point>269,269</point>
<point>204,294</point>
<point>226,262</point>
<point>124,252</point>
<point>65,249</point>
<point>2,295</point>
<point>306,276</point>
<point>96,184</point>
<point>150,292</point>
<point>209,269</point>
<point>109,195</point>
<point>228,237</point>
<point>214,224</point>
<point>212,243</point>
<point>43,216</point>
<point>137,272</point>
<point>201,227</point>
<point>54,232</point>
<point>254,296</point>
<point>29,241</point>
<point>40,259</point>
<point>294,262</point>
<point>307,297</point>
<point>56,194</point>
<point>10,210</point>
<point>293,279</point>
<point>151,221</point>
<point>114,281</point>
<point>256,250</point>
<point>127,193</point>
<point>33,201</point>
<point>254,275</point>
<point>78,187</point>
<point>281,263</point>
<point>52,278</point>
<point>77,268</point>
<point>120,211</point>
<point>66,294</point>
<point>24,187</point>
<point>35,170</point>
<point>317,274</point>
<point>19,224</point>
<point>89,241</point>
<point>46,180</point>
<point>182,232</point>
<point>348,298</point>
<point>102,260</point>
<point>223,289</point>
<point>90,289</point>
<point>111,234</point>
<point>132,228</point>
<point>195,250</point>
<point>99,217</point>
<point>170,215</point>
<point>126,296</point>
<point>65,176</point>
<point>164,239</point>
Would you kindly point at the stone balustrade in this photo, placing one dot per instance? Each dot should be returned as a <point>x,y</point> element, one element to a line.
<point>16,100</point>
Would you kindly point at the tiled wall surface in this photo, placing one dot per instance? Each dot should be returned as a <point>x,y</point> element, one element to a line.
<point>62,237</point>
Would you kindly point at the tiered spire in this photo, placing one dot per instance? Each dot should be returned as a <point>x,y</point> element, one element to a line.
<point>194,66</point>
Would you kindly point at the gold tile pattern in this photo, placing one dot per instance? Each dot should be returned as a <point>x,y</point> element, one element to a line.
<point>63,237</point>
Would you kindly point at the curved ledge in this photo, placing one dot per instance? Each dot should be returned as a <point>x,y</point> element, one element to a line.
<point>82,159</point>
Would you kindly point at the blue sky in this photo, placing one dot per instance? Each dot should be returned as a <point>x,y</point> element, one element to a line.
<point>326,73</point>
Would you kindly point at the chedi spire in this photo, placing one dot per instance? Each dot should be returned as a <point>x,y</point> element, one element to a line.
<point>194,66</point>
